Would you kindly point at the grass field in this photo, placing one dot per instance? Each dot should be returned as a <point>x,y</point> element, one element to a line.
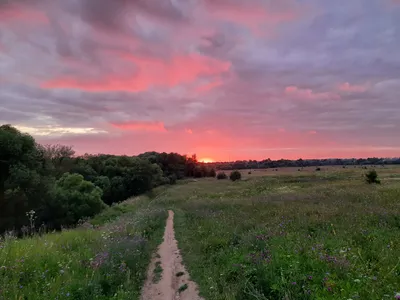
<point>283,234</point>
<point>106,262</point>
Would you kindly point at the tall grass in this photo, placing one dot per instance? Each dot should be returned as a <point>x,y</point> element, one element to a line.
<point>109,262</point>
<point>315,235</point>
<point>319,236</point>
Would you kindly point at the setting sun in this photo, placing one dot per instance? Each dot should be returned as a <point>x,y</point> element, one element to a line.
<point>206,160</point>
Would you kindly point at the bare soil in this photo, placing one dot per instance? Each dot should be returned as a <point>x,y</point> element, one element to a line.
<point>175,283</point>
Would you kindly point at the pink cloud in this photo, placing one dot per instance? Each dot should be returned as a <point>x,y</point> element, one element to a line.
<point>208,86</point>
<point>308,94</point>
<point>312,132</point>
<point>189,131</point>
<point>146,73</point>
<point>140,126</point>
<point>101,85</point>
<point>19,13</point>
<point>347,87</point>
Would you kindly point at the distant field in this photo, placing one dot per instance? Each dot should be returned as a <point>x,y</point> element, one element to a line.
<point>292,235</point>
<point>384,170</point>
<point>283,234</point>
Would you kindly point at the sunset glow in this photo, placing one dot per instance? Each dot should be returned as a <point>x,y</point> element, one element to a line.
<point>225,79</point>
<point>206,160</point>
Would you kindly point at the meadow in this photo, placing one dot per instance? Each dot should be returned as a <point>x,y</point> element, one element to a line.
<point>286,234</point>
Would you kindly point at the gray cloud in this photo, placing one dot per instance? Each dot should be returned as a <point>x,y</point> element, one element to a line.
<point>320,48</point>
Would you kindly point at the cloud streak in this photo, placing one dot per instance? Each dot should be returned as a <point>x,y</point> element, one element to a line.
<point>140,126</point>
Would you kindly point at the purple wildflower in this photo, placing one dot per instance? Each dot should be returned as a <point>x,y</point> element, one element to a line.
<point>262,256</point>
<point>99,260</point>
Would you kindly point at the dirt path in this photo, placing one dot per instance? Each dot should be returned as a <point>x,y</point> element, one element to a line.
<point>167,278</point>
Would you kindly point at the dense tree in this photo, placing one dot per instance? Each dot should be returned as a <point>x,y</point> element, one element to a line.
<point>74,199</point>
<point>22,176</point>
<point>29,173</point>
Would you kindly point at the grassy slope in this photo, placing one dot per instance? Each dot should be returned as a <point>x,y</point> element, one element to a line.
<point>323,235</point>
<point>108,262</point>
<point>287,235</point>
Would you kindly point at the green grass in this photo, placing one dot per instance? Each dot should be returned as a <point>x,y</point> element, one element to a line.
<point>157,272</point>
<point>108,262</point>
<point>322,235</point>
<point>282,235</point>
<point>182,288</point>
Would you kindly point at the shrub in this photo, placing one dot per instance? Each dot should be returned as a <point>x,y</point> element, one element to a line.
<point>165,180</point>
<point>372,177</point>
<point>318,169</point>
<point>74,199</point>
<point>212,173</point>
<point>222,175</point>
<point>198,172</point>
<point>172,179</point>
<point>235,175</point>
<point>249,173</point>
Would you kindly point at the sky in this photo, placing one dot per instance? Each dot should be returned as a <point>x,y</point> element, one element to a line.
<point>225,79</point>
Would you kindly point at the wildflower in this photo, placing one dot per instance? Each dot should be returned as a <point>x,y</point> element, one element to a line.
<point>62,271</point>
<point>310,277</point>
<point>67,294</point>
<point>122,267</point>
<point>397,296</point>
<point>294,283</point>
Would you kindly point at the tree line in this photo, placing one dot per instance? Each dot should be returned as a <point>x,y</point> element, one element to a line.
<point>299,163</point>
<point>48,185</point>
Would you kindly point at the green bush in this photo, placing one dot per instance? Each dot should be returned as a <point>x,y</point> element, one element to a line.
<point>222,175</point>
<point>172,179</point>
<point>372,177</point>
<point>235,175</point>
<point>198,172</point>
<point>212,173</point>
<point>75,199</point>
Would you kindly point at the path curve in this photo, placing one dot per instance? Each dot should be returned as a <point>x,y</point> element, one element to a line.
<point>170,286</point>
